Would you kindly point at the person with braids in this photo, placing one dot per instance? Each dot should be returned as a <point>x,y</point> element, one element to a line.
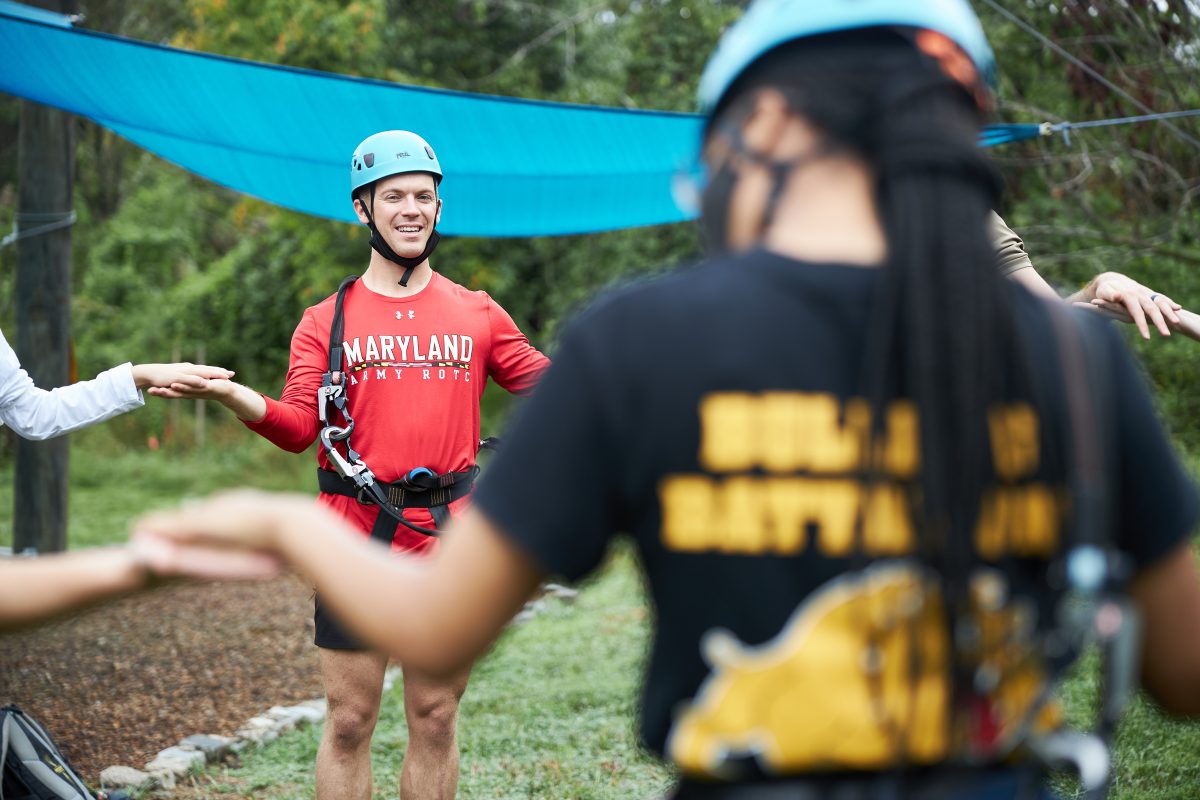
<point>840,444</point>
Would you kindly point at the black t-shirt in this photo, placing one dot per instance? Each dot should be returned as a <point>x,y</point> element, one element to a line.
<point>706,414</point>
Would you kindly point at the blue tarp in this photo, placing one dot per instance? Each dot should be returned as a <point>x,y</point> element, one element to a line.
<point>993,135</point>
<point>513,167</point>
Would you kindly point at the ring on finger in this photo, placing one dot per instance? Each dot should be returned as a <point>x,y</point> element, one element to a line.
<point>1153,297</point>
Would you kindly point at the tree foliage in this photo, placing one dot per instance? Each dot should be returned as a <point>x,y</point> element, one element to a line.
<point>1120,198</point>
<point>165,261</point>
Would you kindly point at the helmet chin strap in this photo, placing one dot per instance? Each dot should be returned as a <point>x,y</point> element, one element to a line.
<point>715,204</point>
<point>384,249</point>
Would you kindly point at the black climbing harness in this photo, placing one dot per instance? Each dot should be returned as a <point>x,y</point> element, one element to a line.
<point>1091,606</point>
<point>421,487</point>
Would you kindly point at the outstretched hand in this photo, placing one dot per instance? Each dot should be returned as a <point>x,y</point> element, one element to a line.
<point>195,388</point>
<point>243,401</point>
<point>159,378</point>
<point>231,536</point>
<point>1121,297</point>
<point>166,558</point>
<point>246,521</point>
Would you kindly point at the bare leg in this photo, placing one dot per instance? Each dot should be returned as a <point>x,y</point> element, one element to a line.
<point>431,708</point>
<point>353,686</point>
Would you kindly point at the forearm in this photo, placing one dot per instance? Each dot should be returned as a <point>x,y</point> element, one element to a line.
<point>380,596</point>
<point>288,426</point>
<point>437,614</point>
<point>1088,292</point>
<point>1186,322</point>
<point>1188,325</point>
<point>38,414</point>
<point>1034,282</point>
<point>34,589</point>
<point>247,404</point>
<point>1080,296</point>
<point>1168,596</point>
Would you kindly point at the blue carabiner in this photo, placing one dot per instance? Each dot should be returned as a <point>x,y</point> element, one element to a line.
<point>417,471</point>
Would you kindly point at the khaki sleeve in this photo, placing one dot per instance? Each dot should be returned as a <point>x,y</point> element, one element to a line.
<point>1010,250</point>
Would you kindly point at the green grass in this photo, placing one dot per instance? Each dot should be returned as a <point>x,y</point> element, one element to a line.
<point>112,482</point>
<point>1155,755</point>
<point>549,713</point>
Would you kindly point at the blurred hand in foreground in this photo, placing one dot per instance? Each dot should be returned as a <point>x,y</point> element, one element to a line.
<point>164,557</point>
<point>246,520</point>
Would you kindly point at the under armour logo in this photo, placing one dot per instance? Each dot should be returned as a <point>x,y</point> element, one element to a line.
<point>401,315</point>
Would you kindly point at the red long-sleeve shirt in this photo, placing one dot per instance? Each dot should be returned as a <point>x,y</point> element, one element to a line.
<point>416,368</point>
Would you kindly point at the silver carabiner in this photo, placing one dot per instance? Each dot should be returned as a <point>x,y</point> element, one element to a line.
<point>325,396</point>
<point>337,433</point>
<point>341,465</point>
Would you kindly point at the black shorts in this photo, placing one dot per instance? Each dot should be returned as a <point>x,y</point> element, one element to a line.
<point>329,633</point>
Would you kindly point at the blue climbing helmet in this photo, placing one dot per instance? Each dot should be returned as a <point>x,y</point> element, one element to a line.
<point>770,23</point>
<point>391,153</point>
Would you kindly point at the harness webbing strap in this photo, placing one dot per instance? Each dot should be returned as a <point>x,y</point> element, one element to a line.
<point>441,516</point>
<point>1102,588</point>
<point>338,328</point>
<point>376,495</point>
<point>353,472</point>
<point>386,523</point>
<point>1088,420</point>
<point>353,478</point>
<point>448,488</point>
<point>384,529</point>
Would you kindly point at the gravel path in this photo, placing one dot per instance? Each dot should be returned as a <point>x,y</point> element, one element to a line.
<point>117,684</point>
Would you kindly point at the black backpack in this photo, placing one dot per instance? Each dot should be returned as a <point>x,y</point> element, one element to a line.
<point>31,767</point>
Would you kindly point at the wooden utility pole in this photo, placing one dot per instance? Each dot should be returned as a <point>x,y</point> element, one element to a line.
<point>45,177</point>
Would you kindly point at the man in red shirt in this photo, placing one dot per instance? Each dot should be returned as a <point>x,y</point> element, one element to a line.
<point>417,350</point>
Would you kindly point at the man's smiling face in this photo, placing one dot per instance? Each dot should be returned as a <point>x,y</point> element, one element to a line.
<point>406,209</point>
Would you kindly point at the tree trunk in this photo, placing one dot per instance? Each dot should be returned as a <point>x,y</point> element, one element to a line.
<point>45,172</point>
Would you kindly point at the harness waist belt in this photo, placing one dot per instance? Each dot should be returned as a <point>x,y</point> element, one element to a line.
<point>423,492</point>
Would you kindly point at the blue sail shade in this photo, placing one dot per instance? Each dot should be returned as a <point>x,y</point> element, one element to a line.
<point>513,167</point>
<point>993,135</point>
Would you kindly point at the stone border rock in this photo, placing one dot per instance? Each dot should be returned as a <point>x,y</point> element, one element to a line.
<point>166,768</point>
<point>198,750</point>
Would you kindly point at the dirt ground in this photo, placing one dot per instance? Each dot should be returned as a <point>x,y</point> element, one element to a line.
<point>116,684</point>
